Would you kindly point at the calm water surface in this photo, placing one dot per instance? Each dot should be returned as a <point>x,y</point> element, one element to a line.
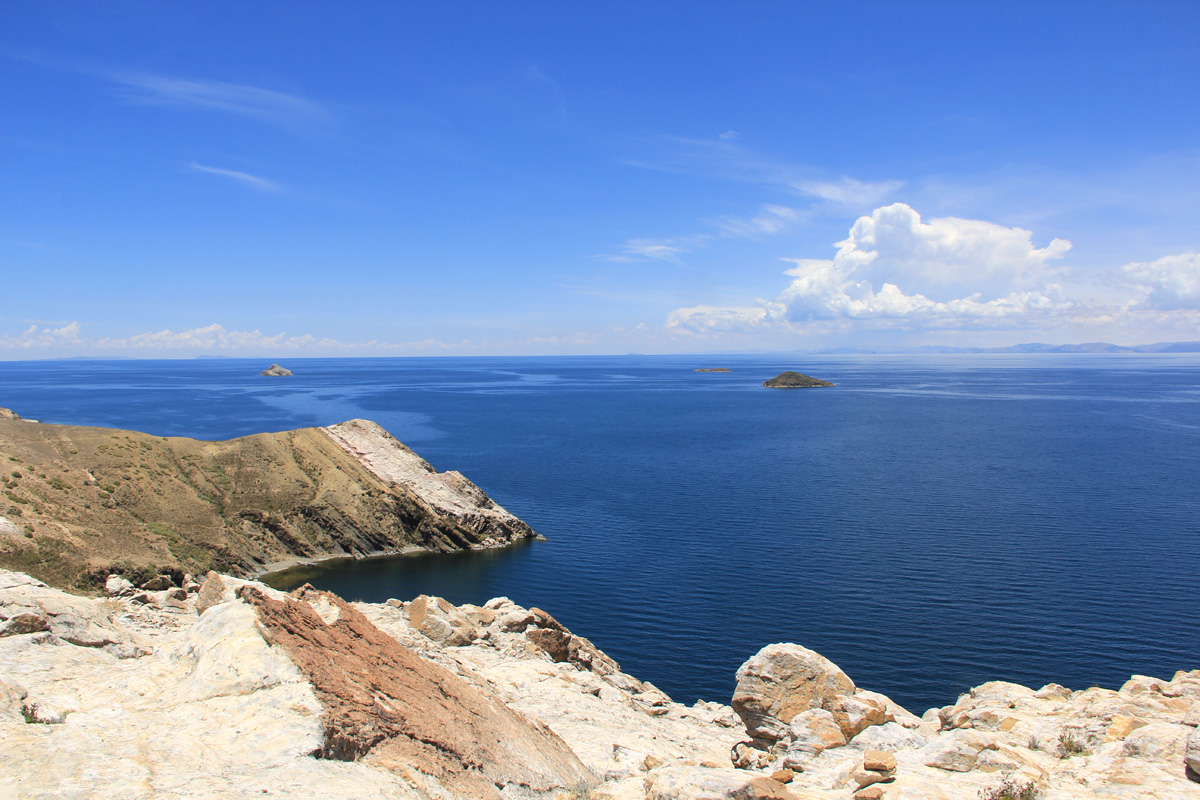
<point>929,524</point>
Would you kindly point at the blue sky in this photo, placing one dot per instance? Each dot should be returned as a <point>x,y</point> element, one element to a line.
<point>519,177</point>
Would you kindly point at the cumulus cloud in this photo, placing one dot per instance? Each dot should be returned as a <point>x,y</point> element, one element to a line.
<point>40,337</point>
<point>895,268</point>
<point>1172,282</point>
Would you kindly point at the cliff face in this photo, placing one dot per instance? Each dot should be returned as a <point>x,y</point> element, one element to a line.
<point>79,502</point>
<point>238,690</point>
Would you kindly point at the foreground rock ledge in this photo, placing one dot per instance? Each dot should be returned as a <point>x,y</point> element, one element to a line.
<point>305,695</point>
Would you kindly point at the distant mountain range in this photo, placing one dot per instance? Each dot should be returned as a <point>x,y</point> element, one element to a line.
<point>1031,347</point>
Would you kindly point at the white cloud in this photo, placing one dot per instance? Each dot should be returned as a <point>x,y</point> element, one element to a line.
<point>1172,282</point>
<point>211,338</point>
<point>772,219</point>
<point>262,184</point>
<point>35,337</point>
<point>660,249</point>
<point>233,98</point>
<point>894,269</point>
<point>850,192</point>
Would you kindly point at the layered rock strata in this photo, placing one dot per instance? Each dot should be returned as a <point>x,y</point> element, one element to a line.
<point>78,503</point>
<point>238,691</point>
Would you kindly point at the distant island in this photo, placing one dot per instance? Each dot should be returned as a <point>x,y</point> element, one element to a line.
<point>795,380</point>
<point>713,369</point>
<point>276,370</point>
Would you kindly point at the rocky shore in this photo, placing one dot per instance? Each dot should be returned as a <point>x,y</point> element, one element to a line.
<point>226,688</point>
<point>78,503</point>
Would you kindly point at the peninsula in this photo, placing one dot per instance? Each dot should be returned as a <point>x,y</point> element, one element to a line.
<point>79,503</point>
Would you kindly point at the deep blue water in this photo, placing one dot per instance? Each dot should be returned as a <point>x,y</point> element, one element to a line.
<point>931,523</point>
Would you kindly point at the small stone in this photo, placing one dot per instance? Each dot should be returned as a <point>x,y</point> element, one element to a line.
<point>392,602</point>
<point>211,593</point>
<point>879,761</point>
<point>158,584</point>
<point>191,587</point>
<point>783,775</point>
<point>651,762</point>
<point>142,597</point>
<point>868,793</point>
<point>866,777</point>
<point>116,586</point>
<point>24,623</point>
<point>177,594</point>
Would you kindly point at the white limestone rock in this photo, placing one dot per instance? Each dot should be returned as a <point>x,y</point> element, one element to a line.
<point>781,681</point>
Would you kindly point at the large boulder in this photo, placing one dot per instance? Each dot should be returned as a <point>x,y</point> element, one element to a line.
<point>781,681</point>
<point>1192,754</point>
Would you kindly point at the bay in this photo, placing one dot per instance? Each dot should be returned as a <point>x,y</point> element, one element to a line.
<point>931,523</point>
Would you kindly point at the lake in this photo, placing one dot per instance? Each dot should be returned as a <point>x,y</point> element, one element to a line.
<point>930,523</point>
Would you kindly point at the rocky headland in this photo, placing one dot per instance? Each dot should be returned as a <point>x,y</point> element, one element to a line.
<point>79,503</point>
<point>231,689</point>
<point>795,380</point>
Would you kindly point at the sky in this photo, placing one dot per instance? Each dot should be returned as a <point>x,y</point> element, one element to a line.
<point>510,178</point>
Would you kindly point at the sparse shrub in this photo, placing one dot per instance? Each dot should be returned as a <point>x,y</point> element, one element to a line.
<point>1072,743</point>
<point>1034,743</point>
<point>1009,789</point>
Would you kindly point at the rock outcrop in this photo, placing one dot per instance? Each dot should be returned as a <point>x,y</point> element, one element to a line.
<point>276,371</point>
<point>254,692</point>
<point>794,380</point>
<point>80,503</point>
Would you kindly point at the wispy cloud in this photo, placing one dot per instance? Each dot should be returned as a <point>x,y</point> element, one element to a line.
<point>147,88</point>
<point>68,339</point>
<point>232,98</point>
<point>253,181</point>
<point>771,220</point>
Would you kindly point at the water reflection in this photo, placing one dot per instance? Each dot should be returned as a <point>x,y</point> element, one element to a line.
<point>474,576</point>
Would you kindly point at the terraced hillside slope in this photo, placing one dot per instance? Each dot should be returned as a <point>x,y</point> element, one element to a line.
<point>79,503</point>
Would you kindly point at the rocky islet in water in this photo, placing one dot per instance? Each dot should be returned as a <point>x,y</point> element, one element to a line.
<point>795,380</point>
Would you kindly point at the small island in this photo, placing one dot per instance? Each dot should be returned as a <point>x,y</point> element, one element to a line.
<point>795,380</point>
<point>275,370</point>
<point>712,369</point>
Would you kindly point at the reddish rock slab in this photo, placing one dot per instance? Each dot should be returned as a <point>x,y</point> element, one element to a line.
<point>384,702</point>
